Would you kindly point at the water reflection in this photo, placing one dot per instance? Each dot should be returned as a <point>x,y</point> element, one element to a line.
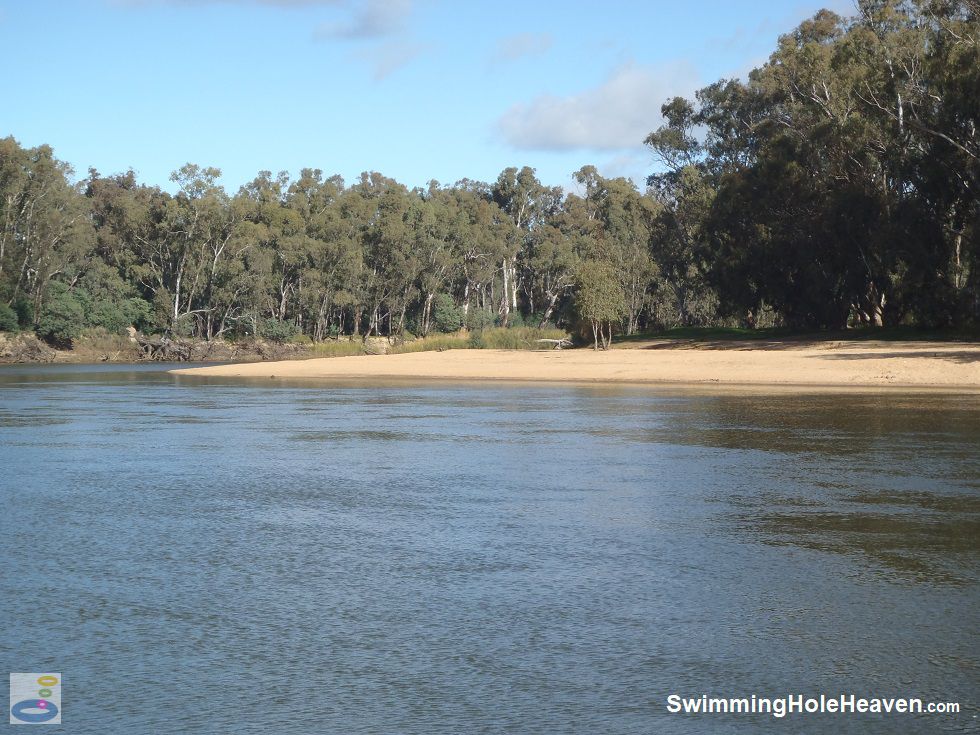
<point>939,550</point>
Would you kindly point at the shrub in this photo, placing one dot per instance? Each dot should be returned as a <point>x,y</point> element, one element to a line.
<point>184,325</point>
<point>516,319</point>
<point>115,316</point>
<point>446,316</point>
<point>25,312</point>
<point>8,319</point>
<point>479,319</point>
<point>533,320</point>
<point>62,317</point>
<point>276,331</point>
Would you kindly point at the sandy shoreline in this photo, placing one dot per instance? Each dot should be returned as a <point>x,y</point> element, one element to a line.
<point>787,363</point>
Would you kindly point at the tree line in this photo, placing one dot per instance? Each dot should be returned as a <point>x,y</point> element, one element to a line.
<point>836,186</point>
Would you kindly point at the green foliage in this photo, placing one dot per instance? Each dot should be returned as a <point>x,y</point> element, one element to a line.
<point>517,320</point>
<point>599,295</point>
<point>66,313</point>
<point>446,316</point>
<point>477,319</point>
<point>515,338</point>
<point>432,342</point>
<point>825,189</point>
<point>8,319</point>
<point>184,325</point>
<point>62,316</point>
<point>115,316</point>
<point>835,186</point>
<point>276,331</point>
<point>25,312</point>
<point>340,348</point>
<point>109,302</point>
<point>599,299</point>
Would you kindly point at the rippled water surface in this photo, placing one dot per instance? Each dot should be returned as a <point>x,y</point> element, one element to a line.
<point>222,557</point>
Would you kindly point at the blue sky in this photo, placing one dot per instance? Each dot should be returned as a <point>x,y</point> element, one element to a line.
<point>415,89</point>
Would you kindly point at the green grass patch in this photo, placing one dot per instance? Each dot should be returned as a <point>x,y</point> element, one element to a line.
<point>340,348</point>
<point>515,338</point>
<point>431,343</point>
<point>496,338</point>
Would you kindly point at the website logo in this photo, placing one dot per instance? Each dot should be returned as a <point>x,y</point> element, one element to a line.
<point>35,699</point>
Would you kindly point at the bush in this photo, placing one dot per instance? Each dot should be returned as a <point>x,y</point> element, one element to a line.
<point>8,319</point>
<point>115,316</point>
<point>62,317</point>
<point>533,320</point>
<point>479,319</point>
<point>446,316</point>
<point>25,313</point>
<point>276,331</point>
<point>184,325</point>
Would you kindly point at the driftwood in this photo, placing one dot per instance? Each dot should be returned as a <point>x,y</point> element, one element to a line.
<point>558,343</point>
<point>163,349</point>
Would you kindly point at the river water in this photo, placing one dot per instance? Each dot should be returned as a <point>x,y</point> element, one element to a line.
<point>213,556</point>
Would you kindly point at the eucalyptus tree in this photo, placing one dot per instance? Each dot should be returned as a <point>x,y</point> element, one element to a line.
<point>554,264</point>
<point>46,229</point>
<point>599,300</point>
<point>528,203</point>
<point>840,178</point>
<point>441,239</point>
<point>335,254</point>
<point>484,237</point>
<point>392,261</point>
<point>623,220</point>
<point>281,245</point>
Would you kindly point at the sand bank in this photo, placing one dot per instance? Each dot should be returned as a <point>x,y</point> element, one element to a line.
<point>789,363</point>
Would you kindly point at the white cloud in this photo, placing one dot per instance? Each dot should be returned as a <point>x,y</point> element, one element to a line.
<point>390,57</point>
<point>360,19</point>
<point>616,115</point>
<point>370,19</point>
<point>521,45</point>
<point>749,39</point>
<point>634,165</point>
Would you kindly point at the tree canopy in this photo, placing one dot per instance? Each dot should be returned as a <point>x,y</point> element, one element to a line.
<point>835,186</point>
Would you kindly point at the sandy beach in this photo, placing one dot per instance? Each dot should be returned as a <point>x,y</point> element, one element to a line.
<point>786,363</point>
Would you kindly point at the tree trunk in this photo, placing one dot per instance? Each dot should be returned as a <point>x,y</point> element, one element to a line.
<point>505,299</point>
<point>427,313</point>
<point>547,312</point>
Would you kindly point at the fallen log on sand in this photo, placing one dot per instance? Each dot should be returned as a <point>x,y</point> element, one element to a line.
<point>558,343</point>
